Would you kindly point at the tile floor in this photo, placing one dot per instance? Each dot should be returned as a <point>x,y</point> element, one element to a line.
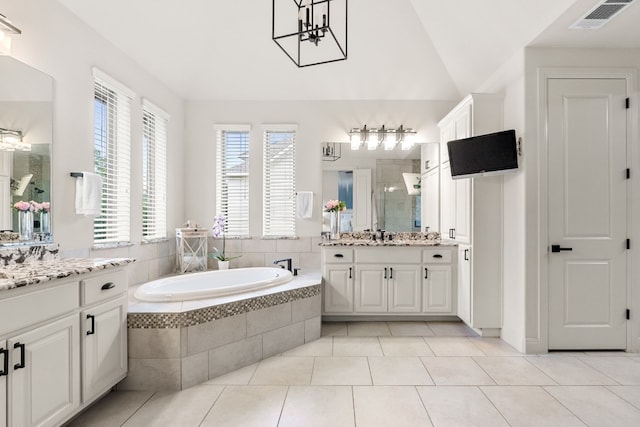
<point>396,374</point>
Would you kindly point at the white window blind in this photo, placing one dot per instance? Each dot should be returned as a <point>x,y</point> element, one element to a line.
<point>232,177</point>
<point>279,181</point>
<point>154,172</point>
<point>112,157</point>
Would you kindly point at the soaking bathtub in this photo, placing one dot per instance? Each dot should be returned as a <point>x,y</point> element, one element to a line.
<point>211,284</point>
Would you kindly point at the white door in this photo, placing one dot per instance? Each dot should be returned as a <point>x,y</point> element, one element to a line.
<point>447,202</point>
<point>462,210</point>
<point>338,288</point>
<point>587,199</point>
<point>4,361</point>
<point>104,347</point>
<point>361,199</point>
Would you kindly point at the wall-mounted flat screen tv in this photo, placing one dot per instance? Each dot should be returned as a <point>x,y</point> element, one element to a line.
<point>483,155</point>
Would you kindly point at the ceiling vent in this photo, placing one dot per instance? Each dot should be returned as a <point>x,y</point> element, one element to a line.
<point>600,14</point>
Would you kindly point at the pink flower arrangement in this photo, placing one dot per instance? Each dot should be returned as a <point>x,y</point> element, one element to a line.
<point>335,206</point>
<point>32,206</point>
<point>23,206</point>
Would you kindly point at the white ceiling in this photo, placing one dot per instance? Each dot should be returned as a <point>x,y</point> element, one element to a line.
<point>400,49</point>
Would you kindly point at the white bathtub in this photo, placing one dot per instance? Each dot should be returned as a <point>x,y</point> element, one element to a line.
<point>211,284</point>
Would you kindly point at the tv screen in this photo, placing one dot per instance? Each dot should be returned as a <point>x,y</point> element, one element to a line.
<point>482,155</point>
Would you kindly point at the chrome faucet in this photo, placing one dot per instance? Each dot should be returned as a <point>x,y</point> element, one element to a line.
<point>288,260</point>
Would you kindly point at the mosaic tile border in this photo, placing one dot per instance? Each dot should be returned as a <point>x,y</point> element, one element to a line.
<point>207,314</point>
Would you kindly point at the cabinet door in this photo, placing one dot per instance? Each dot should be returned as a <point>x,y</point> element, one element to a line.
<point>447,133</point>
<point>464,283</point>
<point>429,156</point>
<point>447,201</point>
<point>4,362</point>
<point>371,289</point>
<point>338,288</point>
<point>104,347</point>
<point>462,123</point>
<point>44,374</point>
<point>462,210</point>
<point>404,288</point>
<point>431,200</point>
<point>437,292</point>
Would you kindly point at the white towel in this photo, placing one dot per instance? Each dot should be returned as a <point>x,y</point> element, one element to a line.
<point>89,194</point>
<point>304,204</point>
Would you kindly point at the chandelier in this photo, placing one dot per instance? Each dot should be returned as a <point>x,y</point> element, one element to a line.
<point>311,32</point>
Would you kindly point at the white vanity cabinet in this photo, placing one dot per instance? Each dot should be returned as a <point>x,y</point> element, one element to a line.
<point>472,214</point>
<point>104,333</point>
<point>337,274</point>
<point>388,280</point>
<point>53,368</point>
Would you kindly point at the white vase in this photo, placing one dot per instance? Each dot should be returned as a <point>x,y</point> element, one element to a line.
<point>334,230</point>
<point>223,265</point>
<point>25,225</point>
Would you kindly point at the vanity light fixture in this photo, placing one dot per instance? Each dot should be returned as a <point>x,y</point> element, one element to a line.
<point>388,138</point>
<point>11,140</point>
<point>310,32</point>
<point>6,29</point>
<point>331,151</point>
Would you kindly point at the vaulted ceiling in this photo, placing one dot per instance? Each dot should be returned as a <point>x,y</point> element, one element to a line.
<point>400,49</point>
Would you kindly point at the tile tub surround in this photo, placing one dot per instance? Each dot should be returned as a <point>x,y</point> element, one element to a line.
<point>27,274</point>
<point>173,346</point>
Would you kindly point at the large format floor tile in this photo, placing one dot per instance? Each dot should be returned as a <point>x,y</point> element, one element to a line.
<point>405,346</point>
<point>460,407</point>
<point>597,406</point>
<point>184,408</point>
<point>398,371</point>
<point>403,376</point>
<point>453,346</point>
<point>312,406</point>
<point>356,346</point>
<point>456,371</point>
<point>530,407</point>
<point>265,404</point>
<point>513,371</point>
<point>389,406</point>
<point>341,371</point>
<point>570,371</point>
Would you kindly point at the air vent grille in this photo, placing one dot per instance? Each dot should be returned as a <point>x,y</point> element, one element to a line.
<point>600,14</point>
<point>605,11</point>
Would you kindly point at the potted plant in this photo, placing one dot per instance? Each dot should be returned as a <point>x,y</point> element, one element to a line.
<point>218,231</point>
<point>334,207</point>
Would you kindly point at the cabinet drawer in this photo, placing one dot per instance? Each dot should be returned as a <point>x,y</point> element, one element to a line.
<point>104,286</point>
<point>389,255</point>
<point>338,255</point>
<point>436,256</point>
<point>29,309</point>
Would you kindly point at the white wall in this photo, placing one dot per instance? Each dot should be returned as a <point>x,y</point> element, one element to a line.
<point>535,59</point>
<point>54,41</point>
<point>318,122</point>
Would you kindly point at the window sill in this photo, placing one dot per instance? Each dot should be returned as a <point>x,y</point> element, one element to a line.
<point>279,238</point>
<point>113,245</point>
<point>152,241</point>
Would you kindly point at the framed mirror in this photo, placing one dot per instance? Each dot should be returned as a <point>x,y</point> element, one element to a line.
<point>388,202</point>
<point>26,115</point>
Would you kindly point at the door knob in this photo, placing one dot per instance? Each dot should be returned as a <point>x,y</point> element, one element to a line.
<point>557,248</point>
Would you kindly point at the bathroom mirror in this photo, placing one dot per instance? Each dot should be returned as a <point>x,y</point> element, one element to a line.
<point>390,206</point>
<point>26,106</point>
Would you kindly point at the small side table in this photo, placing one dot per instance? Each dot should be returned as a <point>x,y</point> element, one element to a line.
<point>191,249</point>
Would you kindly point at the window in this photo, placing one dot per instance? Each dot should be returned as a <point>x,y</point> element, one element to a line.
<point>279,181</point>
<point>154,172</point>
<point>232,177</point>
<point>112,158</point>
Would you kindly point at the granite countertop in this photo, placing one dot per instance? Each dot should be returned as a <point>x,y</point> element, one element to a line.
<point>31,273</point>
<point>367,242</point>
